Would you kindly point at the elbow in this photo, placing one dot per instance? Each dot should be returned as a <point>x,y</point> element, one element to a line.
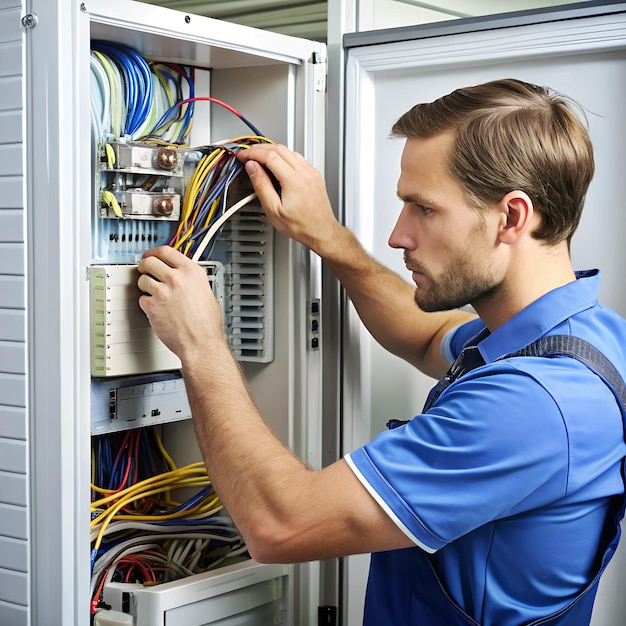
<point>262,553</point>
<point>271,542</point>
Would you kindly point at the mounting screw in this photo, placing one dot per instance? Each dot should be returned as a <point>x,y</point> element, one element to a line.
<point>187,18</point>
<point>29,20</point>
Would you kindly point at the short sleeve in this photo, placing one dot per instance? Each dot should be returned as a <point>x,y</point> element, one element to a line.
<point>493,445</point>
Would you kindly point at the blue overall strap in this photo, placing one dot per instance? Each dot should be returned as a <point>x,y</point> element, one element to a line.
<point>582,351</point>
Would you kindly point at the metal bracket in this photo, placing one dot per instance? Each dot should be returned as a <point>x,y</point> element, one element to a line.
<point>318,61</point>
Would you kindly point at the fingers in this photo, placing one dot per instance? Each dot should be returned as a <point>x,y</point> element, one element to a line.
<point>265,153</point>
<point>263,184</point>
<point>292,171</point>
<point>157,266</point>
<point>278,160</point>
<point>168,255</point>
<point>158,261</point>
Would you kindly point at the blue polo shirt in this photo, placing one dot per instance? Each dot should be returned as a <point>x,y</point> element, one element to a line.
<point>507,479</point>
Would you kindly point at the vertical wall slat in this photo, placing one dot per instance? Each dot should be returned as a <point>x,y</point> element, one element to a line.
<point>14,492</point>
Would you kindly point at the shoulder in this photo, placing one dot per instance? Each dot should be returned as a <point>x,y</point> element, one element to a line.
<point>453,341</point>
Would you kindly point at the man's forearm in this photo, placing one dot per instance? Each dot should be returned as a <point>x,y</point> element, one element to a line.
<point>251,469</point>
<point>285,511</point>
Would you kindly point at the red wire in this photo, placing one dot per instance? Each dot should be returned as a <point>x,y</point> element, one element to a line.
<point>211,99</point>
<point>123,446</point>
<point>136,453</point>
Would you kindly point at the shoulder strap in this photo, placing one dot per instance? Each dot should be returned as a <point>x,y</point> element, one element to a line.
<point>582,351</point>
<point>554,345</point>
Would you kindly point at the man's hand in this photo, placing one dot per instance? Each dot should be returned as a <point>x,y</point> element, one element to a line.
<point>301,210</point>
<point>179,302</point>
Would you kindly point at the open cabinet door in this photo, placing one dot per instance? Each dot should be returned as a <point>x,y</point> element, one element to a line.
<point>579,51</point>
<point>95,198</point>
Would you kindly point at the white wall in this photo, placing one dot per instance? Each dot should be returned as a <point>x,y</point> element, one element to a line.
<point>14,556</point>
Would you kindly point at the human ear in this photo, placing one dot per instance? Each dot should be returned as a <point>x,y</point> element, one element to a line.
<point>516,215</point>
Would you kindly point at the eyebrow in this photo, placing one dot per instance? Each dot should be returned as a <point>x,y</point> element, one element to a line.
<point>413,199</point>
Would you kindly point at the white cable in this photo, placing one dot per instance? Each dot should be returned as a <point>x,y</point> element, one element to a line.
<point>111,555</point>
<point>218,224</point>
<point>156,527</point>
<point>100,82</point>
<point>195,557</point>
<point>160,537</point>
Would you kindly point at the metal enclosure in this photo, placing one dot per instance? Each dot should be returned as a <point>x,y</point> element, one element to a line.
<point>46,184</point>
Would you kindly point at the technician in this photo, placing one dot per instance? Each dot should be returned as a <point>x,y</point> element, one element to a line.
<point>499,503</point>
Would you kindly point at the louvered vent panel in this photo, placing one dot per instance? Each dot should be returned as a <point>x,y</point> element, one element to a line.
<point>249,285</point>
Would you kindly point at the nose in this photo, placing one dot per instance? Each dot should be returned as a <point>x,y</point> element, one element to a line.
<point>401,236</point>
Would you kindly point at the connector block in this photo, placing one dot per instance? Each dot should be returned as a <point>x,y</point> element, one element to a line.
<point>122,340</point>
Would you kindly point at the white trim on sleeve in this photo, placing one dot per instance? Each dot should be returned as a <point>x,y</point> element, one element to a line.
<point>444,346</point>
<point>396,520</point>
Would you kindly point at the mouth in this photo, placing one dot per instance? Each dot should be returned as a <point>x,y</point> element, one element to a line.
<point>418,273</point>
<point>419,279</point>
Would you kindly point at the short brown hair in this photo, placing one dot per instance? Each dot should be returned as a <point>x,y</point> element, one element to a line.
<point>513,135</point>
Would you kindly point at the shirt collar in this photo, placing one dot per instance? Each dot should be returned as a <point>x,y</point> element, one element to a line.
<point>543,315</point>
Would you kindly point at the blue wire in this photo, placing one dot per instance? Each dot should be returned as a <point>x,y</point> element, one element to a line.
<point>189,504</point>
<point>145,98</point>
<point>235,168</point>
<point>138,82</point>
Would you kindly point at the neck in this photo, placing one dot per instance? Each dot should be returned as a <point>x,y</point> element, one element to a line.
<point>548,268</point>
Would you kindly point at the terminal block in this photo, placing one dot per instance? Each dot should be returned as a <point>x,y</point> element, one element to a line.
<point>140,181</point>
<point>122,340</point>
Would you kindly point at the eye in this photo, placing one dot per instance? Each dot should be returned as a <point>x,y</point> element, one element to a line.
<point>424,209</point>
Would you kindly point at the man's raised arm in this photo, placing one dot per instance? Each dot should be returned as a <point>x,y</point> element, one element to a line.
<point>383,300</point>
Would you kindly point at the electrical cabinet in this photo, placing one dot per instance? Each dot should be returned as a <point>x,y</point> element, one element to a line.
<point>95,195</point>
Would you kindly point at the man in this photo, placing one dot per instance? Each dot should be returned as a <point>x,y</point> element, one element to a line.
<point>495,505</point>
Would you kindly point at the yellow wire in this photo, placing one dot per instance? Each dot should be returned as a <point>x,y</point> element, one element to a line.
<point>187,222</point>
<point>193,468</point>
<point>163,81</point>
<point>104,518</point>
<point>131,494</point>
<point>257,138</point>
<point>192,192</point>
<point>191,476</point>
<point>212,211</point>
<point>163,451</point>
<point>194,198</point>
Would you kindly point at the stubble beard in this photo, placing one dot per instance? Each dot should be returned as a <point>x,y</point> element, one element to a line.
<point>459,285</point>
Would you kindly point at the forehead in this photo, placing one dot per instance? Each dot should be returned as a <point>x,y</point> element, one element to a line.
<point>424,166</point>
<point>430,152</point>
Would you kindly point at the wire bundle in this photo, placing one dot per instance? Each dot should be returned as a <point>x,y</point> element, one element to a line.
<point>130,95</point>
<point>143,100</point>
<point>205,207</point>
<point>139,533</point>
<point>154,103</point>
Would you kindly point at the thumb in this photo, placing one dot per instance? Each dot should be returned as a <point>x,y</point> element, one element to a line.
<point>252,167</point>
<point>262,183</point>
